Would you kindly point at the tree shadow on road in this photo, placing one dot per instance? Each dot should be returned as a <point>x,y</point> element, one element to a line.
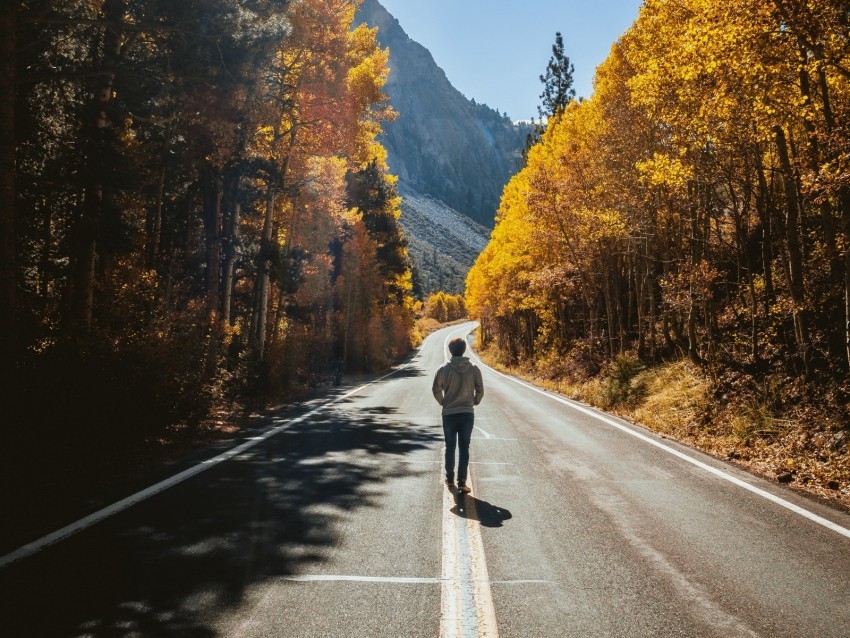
<point>408,373</point>
<point>171,565</point>
<point>468,506</point>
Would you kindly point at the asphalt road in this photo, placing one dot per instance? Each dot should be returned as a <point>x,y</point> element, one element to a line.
<point>339,525</point>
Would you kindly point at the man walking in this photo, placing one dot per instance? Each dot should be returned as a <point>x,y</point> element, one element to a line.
<point>458,387</point>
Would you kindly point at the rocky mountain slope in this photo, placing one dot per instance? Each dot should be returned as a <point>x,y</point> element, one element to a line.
<point>443,242</point>
<point>451,154</point>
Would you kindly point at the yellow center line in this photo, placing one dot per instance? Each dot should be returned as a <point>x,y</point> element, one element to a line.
<point>466,601</point>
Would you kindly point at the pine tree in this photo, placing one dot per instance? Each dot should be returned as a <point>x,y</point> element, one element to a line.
<point>557,92</point>
<point>557,82</point>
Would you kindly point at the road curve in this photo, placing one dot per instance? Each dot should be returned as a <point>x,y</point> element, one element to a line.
<point>332,520</point>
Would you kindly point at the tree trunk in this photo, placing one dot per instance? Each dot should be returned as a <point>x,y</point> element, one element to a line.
<point>795,257</point>
<point>762,201</point>
<point>640,288</point>
<point>693,348</point>
<point>696,255</point>
<point>212,236</point>
<point>255,311</point>
<point>8,76</point>
<point>754,334</point>
<point>709,330</point>
<point>264,270</point>
<point>653,336</point>
<point>348,314</point>
<point>264,273</point>
<point>618,309</point>
<point>231,237</point>
<point>153,224</point>
<point>742,224</point>
<point>813,153</point>
<point>844,208</point>
<point>96,133</point>
<point>844,200</point>
<point>212,241</point>
<point>609,315</point>
<point>278,313</point>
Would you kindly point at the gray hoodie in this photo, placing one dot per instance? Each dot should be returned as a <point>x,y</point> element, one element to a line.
<point>458,386</point>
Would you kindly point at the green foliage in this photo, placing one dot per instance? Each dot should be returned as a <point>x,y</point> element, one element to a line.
<point>557,82</point>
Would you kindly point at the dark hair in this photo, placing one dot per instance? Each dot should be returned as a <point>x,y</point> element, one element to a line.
<point>457,347</point>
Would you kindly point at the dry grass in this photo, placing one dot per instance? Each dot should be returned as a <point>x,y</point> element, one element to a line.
<point>677,398</point>
<point>806,448</point>
<point>425,326</point>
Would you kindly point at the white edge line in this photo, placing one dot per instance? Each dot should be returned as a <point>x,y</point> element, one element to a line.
<point>835,527</point>
<point>69,530</point>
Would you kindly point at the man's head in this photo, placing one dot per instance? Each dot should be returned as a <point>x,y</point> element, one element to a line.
<point>457,347</point>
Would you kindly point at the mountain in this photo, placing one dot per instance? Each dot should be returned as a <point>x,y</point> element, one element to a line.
<point>451,154</point>
<point>443,242</point>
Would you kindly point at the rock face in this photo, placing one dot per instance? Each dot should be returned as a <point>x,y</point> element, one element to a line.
<point>443,242</point>
<point>448,152</point>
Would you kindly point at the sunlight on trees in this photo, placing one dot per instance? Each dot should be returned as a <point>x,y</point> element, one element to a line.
<point>199,201</point>
<point>444,307</point>
<point>698,203</point>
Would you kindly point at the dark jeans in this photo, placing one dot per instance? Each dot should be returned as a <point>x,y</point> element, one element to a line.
<point>458,430</point>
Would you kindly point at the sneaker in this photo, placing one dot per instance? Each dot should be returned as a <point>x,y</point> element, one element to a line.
<point>463,487</point>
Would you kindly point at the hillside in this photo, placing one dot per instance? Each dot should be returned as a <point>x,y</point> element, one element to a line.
<point>442,144</point>
<point>443,242</point>
<point>449,152</point>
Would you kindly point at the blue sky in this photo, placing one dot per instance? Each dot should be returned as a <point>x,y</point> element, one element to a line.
<point>495,50</point>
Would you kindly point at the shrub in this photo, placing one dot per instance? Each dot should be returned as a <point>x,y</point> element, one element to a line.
<point>678,396</point>
<point>618,385</point>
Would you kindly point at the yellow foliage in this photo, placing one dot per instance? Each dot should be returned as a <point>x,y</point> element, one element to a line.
<point>663,170</point>
<point>443,307</point>
<point>650,196</point>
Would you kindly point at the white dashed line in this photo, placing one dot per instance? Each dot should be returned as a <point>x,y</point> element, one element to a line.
<point>486,434</point>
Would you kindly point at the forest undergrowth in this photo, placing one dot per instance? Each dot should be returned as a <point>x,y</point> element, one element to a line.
<point>774,426</point>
